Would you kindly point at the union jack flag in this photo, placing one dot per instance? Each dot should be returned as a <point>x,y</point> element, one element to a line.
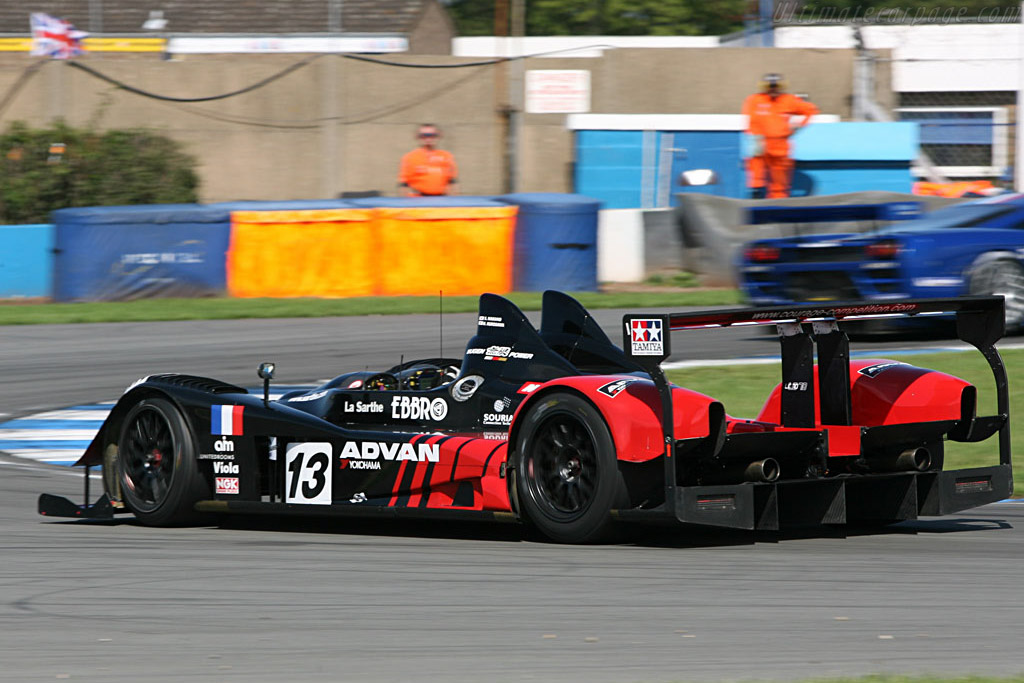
<point>55,37</point>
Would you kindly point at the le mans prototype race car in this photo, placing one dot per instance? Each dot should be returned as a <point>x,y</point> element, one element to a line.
<point>563,430</point>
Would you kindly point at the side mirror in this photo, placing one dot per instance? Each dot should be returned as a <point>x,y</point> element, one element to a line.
<point>698,177</point>
<point>266,373</point>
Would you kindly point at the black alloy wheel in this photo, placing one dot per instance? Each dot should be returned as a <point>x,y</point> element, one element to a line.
<point>567,473</point>
<point>156,464</point>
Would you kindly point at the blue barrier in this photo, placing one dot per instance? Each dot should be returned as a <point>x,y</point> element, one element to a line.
<point>129,252</point>
<point>556,242</point>
<point>26,260</point>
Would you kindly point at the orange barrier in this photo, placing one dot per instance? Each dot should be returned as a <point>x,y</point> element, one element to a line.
<point>372,251</point>
<point>322,252</point>
<point>460,250</point>
<point>969,188</point>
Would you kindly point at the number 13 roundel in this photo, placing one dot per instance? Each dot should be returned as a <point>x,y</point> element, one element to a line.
<point>308,473</point>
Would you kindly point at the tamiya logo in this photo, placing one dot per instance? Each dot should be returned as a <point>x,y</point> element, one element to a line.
<point>613,389</point>
<point>227,485</point>
<point>646,337</point>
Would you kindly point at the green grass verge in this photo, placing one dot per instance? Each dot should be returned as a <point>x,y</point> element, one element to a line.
<point>879,678</point>
<point>743,389</point>
<point>13,313</point>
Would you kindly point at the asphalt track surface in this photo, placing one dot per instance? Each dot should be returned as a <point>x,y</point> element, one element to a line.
<point>351,600</point>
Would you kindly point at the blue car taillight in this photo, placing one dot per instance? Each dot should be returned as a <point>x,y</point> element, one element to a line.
<point>761,254</point>
<point>887,249</point>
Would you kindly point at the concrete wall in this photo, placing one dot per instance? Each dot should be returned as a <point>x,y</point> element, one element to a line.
<point>338,124</point>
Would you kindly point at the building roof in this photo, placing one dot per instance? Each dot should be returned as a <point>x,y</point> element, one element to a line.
<point>224,16</point>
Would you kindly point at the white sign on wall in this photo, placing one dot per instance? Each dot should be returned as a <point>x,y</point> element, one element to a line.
<point>564,91</point>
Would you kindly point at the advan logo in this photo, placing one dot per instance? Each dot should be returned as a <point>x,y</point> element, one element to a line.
<point>376,450</point>
<point>646,337</point>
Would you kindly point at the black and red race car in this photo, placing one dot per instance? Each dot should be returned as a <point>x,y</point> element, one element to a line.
<point>565,431</point>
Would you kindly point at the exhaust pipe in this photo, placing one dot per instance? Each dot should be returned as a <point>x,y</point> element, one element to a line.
<point>914,459</point>
<point>918,459</point>
<point>762,470</point>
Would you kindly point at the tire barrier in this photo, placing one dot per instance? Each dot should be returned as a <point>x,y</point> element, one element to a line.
<point>117,253</point>
<point>374,246</point>
<point>26,261</point>
<point>556,242</point>
<point>323,253</point>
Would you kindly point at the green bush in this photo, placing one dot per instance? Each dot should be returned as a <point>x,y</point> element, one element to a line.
<point>42,169</point>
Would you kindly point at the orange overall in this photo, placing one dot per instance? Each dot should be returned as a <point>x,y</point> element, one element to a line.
<point>427,172</point>
<point>769,119</point>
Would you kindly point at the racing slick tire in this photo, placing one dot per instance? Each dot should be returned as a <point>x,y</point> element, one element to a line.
<point>156,465</point>
<point>567,474</point>
<point>1005,277</point>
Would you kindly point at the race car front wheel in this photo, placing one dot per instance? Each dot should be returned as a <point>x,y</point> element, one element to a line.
<point>156,464</point>
<point>1003,277</point>
<point>567,474</point>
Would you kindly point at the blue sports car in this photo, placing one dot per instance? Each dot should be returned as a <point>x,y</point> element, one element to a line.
<point>971,248</point>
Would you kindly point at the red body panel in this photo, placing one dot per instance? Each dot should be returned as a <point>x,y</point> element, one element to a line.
<point>885,392</point>
<point>461,459</point>
<point>633,414</point>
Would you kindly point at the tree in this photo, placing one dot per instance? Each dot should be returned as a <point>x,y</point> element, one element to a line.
<point>715,17</point>
<point>608,17</point>
<point>62,166</point>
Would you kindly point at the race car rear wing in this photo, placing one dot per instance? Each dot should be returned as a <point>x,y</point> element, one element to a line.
<point>980,321</point>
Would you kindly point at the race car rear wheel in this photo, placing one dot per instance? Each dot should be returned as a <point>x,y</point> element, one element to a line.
<point>156,464</point>
<point>1005,277</point>
<point>567,475</point>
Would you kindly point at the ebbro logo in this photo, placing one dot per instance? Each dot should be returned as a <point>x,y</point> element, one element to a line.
<point>418,408</point>
<point>646,337</point>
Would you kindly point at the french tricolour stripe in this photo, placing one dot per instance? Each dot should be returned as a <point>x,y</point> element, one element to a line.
<point>226,420</point>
